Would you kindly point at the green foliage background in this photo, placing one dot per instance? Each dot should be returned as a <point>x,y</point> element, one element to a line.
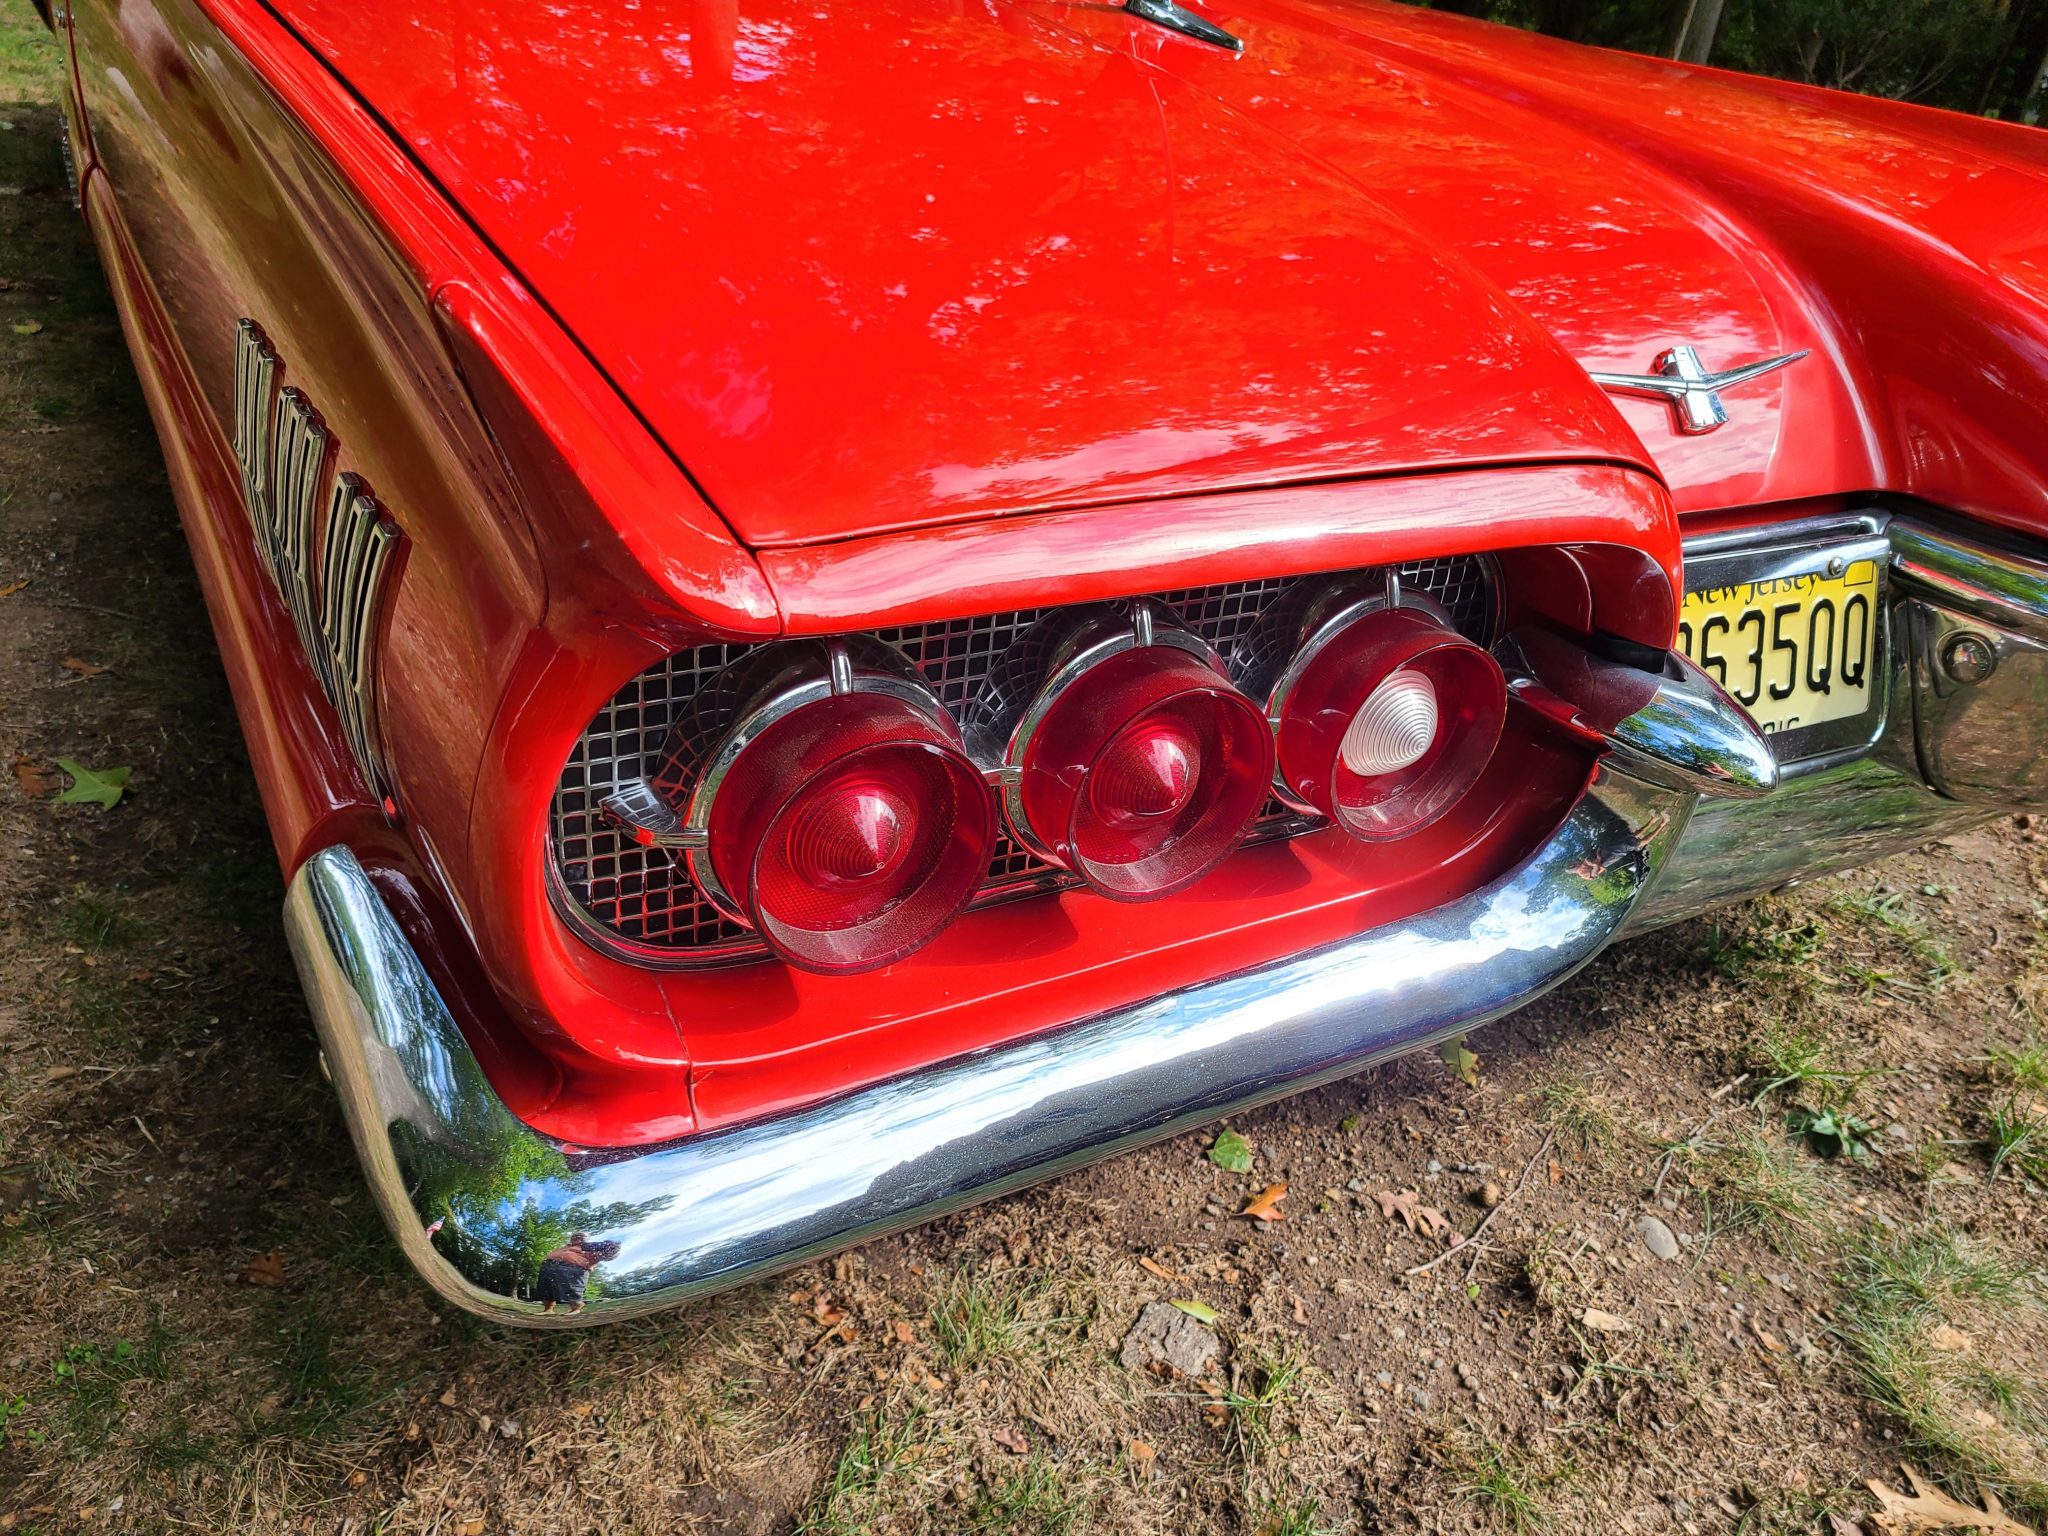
<point>1983,56</point>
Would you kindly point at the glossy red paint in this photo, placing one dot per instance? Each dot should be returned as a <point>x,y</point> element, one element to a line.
<point>1183,541</point>
<point>1064,312</point>
<point>1137,293</point>
<point>1186,270</point>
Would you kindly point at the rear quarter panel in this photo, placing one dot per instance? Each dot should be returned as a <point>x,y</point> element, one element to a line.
<point>230,211</point>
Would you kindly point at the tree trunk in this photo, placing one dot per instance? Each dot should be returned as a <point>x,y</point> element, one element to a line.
<point>1681,20</point>
<point>1697,46</point>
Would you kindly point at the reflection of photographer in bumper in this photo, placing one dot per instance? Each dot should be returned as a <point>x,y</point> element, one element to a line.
<point>565,1272</point>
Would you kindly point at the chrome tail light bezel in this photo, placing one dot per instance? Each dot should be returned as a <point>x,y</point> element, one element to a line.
<point>781,684</point>
<point>1012,723</point>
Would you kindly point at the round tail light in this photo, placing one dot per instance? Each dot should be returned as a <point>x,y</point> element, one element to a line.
<point>1384,719</point>
<point>841,820</point>
<point>1138,766</point>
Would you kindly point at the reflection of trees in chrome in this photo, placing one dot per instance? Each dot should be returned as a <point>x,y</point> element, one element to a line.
<point>512,1205</point>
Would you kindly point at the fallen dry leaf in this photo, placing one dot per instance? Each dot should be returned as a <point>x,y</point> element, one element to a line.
<point>1605,1322</point>
<point>1142,1457</point>
<point>264,1269</point>
<point>472,1528</point>
<point>37,780</point>
<point>1265,1204</point>
<point>904,1332</point>
<point>1012,1440</point>
<point>9,588</point>
<point>1151,1267</point>
<point>58,1074</point>
<point>1945,1337</point>
<point>1408,1206</point>
<point>82,667</point>
<point>1929,1509</point>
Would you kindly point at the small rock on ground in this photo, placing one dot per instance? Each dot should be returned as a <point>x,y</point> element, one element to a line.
<point>1165,1335</point>
<point>1658,1238</point>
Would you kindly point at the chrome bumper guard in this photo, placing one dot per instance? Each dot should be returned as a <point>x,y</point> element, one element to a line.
<point>476,1197</point>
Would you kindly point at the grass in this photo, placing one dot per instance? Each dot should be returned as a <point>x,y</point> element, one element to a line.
<point>1774,939</point>
<point>97,923</point>
<point>31,63</point>
<point>1259,1402</point>
<point>2017,1138</point>
<point>1298,1517</point>
<point>1790,1512</point>
<point>1807,1061</point>
<point>1945,1332</point>
<point>984,1314</point>
<point>1583,1120</point>
<point>1039,1499</point>
<point>1753,1182</point>
<point>1890,912</point>
<point>868,1476</point>
<point>2024,1065</point>
<point>1511,1488</point>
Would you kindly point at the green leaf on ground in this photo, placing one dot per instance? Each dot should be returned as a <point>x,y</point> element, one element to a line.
<point>102,787</point>
<point>1460,1060</point>
<point>1832,1132</point>
<point>1200,1311</point>
<point>1231,1152</point>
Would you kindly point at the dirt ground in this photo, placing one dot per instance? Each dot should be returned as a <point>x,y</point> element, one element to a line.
<point>206,1329</point>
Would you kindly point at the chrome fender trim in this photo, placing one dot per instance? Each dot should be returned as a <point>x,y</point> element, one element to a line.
<point>475,1197</point>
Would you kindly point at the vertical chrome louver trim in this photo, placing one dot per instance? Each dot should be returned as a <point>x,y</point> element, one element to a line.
<point>287,457</point>
<point>361,546</point>
<point>300,445</point>
<point>256,372</point>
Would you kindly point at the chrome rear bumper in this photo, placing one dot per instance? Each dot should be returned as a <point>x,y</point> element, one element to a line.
<point>716,1210</point>
<point>476,1197</point>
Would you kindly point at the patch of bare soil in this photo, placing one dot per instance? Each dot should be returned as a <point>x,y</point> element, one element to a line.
<point>1665,1309</point>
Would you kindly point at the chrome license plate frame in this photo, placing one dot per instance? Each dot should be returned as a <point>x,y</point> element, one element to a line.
<point>1780,557</point>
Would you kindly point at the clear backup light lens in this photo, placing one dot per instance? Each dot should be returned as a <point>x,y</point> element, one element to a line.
<point>1386,721</point>
<point>849,832</point>
<point>1144,772</point>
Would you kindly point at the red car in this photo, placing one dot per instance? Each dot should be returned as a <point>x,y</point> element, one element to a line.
<point>838,609</point>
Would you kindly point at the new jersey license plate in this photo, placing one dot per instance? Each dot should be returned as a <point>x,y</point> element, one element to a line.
<point>1795,648</point>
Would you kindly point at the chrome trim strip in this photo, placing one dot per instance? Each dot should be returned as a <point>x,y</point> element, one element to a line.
<point>475,1197</point>
<point>1968,574</point>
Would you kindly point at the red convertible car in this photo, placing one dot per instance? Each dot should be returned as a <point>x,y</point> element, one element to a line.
<point>838,609</point>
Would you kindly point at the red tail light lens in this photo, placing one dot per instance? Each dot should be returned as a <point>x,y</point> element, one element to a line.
<point>1143,772</point>
<point>1386,720</point>
<point>850,832</point>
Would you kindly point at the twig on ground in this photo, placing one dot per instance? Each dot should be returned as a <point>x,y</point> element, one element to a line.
<point>1487,1220</point>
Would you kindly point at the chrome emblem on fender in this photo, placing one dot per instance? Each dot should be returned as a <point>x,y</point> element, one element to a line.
<point>287,458</point>
<point>1694,393</point>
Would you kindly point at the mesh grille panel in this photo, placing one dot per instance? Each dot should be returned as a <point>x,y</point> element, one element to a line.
<point>643,903</point>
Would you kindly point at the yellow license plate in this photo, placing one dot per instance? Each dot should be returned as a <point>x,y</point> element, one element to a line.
<point>1793,650</point>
